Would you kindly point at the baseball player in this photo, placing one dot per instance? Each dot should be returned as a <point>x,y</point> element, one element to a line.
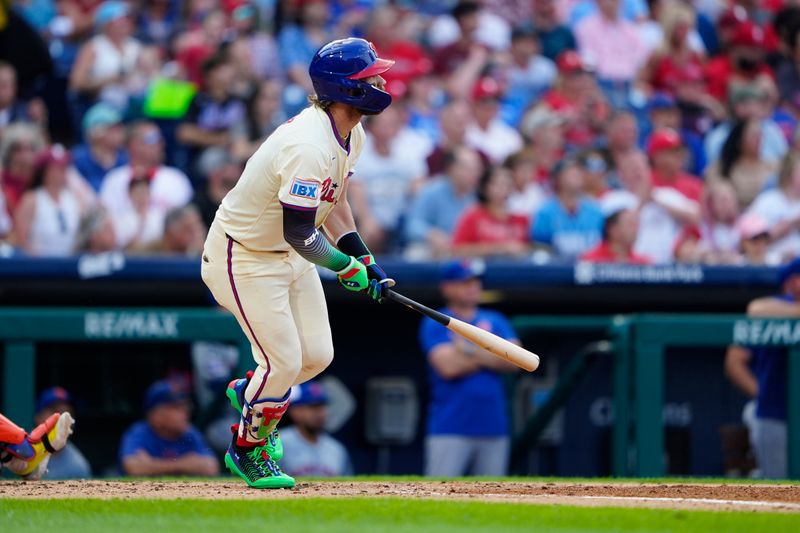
<point>287,213</point>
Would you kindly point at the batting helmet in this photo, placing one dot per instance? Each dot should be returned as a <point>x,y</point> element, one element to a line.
<point>338,68</point>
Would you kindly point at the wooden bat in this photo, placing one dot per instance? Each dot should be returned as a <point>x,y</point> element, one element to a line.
<point>488,341</point>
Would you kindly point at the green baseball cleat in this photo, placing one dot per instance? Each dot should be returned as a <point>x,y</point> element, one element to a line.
<point>235,393</point>
<point>256,467</point>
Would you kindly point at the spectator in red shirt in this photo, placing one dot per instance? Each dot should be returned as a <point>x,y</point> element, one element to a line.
<point>665,148</point>
<point>620,230</point>
<point>488,228</point>
<point>577,99</point>
<point>667,65</point>
<point>743,64</point>
<point>462,62</point>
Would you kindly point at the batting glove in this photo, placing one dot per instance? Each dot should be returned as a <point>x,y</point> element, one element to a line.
<point>378,280</point>
<point>353,277</point>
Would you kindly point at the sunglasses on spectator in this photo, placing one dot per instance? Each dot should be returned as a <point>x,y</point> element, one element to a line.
<point>151,137</point>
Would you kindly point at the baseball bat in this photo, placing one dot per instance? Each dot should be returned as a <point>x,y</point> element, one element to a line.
<point>492,343</point>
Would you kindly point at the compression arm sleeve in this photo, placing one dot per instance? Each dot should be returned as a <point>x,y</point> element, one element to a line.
<point>301,234</point>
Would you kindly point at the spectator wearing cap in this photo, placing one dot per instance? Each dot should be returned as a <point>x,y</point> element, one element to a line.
<point>743,64</point>
<point>467,429</point>
<point>105,60</point>
<point>529,74</point>
<point>245,21</point>
<point>664,112</point>
<point>576,100</point>
<point>554,36</point>
<point>753,239</point>
<point>309,449</point>
<point>740,162</point>
<point>220,172</point>
<point>103,149</point>
<point>46,222</point>
<point>620,231</point>
<point>594,162</point>
<point>169,187</point>
<point>760,372</point>
<point>615,48</point>
<point>667,156</point>
<point>545,136</point>
<point>749,102</point>
<point>780,207</point>
<point>390,170</point>
<point>489,228</point>
<point>165,443</point>
<point>487,131</point>
<point>69,462</point>
<point>576,11</point>
<point>434,212</point>
<point>213,113</point>
<point>569,223</point>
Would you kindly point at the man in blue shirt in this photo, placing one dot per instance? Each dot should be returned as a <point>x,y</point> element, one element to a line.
<point>102,149</point>
<point>68,462</point>
<point>760,372</point>
<point>433,215</point>
<point>165,443</point>
<point>468,427</point>
<point>569,223</point>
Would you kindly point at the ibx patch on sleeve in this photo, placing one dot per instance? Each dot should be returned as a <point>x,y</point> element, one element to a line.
<point>304,189</point>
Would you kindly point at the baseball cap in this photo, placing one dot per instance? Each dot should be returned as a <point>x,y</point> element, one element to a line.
<point>54,154</point>
<point>101,115</point>
<point>748,34</point>
<point>663,139</point>
<point>164,392</point>
<point>661,100</point>
<point>52,396</point>
<point>570,61</point>
<point>732,17</point>
<point>752,225</point>
<point>110,11</point>
<point>462,270</point>
<point>789,270</point>
<point>486,88</point>
<point>308,393</point>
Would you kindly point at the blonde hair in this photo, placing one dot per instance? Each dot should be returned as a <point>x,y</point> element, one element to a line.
<point>673,15</point>
<point>316,102</point>
<point>19,132</point>
<point>788,168</point>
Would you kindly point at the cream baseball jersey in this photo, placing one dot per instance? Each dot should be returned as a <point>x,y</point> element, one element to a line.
<point>304,164</point>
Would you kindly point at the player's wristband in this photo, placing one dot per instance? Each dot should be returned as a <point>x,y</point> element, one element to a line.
<point>351,244</point>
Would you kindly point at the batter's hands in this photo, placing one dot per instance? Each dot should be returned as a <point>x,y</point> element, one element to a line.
<point>354,277</point>
<point>378,280</point>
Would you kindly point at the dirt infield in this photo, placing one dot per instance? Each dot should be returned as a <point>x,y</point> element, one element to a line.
<point>782,498</point>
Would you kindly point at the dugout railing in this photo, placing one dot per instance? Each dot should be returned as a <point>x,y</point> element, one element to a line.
<point>640,342</point>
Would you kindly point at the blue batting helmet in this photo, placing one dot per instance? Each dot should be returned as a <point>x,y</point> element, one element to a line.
<point>338,68</point>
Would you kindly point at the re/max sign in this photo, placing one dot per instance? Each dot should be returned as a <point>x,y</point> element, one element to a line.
<point>766,332</point>
<point>131,325</point>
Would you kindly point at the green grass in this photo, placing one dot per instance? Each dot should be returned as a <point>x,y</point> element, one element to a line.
<point>373,515</point>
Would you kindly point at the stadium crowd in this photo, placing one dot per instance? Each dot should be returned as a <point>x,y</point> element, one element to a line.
<point>605,130</point>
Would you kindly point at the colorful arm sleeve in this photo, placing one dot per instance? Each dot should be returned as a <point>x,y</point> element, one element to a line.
<point>301,234</point>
